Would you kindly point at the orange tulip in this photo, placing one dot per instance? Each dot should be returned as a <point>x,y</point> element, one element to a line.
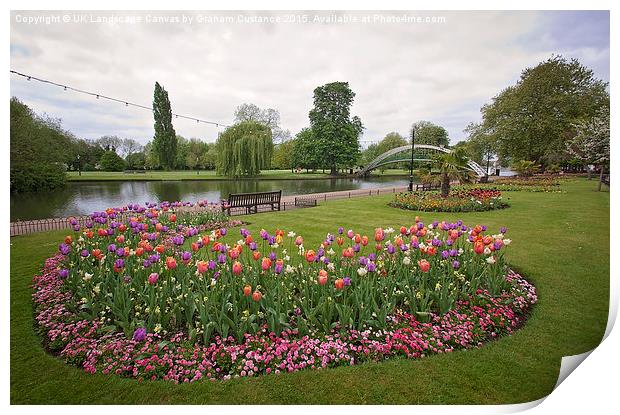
<point>171,263</point>
<point>348,252</point>
<point>206,240</point>
<point>266,264</point>
<point>357,238</point>
<point>173,218</point>
<point>364,240</point>
<point>256,255</point>
<point>322,277</point>
<point>339,284</point>
<point>424,265</point>
<point>340,240</point>
<point>247,290</point>
<point>160,249</point>
<point>479,247</point>
<point>195,247</point>
<point>310,255</point>
<point>97,253</point>
<point>379,234</point>
<point>202,266</point>
<point>257,296</point>
<point>237,268</point>
<point>89,234</point>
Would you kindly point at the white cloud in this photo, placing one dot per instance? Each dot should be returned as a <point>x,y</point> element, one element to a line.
<point>400,73</point>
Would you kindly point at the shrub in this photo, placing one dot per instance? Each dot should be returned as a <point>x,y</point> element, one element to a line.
<point>110,161</point>
<point>37,177</point>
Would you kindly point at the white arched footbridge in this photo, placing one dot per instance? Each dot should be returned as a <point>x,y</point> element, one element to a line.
<point>420,150</point>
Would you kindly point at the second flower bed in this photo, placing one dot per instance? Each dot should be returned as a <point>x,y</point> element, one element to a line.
<point>461,200</point>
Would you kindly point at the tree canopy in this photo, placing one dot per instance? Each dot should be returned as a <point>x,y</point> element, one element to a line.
<point>335,131</point>
<point>244,149</point>
<point>533,119</point>
<point>428,133</point>
<point>165,140</point>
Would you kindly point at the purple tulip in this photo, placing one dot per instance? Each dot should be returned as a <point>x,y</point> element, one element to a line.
<point>221,258</point>
<point>85,253</point>
<point>347,281</point>
<point>340,230</point>
<point>64,273</point>
<point>111,248</point>
<point>211,265</point>
<point>139,335</point>
<point>456,264</point>
<point>64,248</point>
<point>120,252</point>
<point>445,254</point>
<point>371,267</point>
<point>186,256</point>
<point>503,229</point>
<point>363,260</point>
<point>119,263</point>
<point>391,249</point>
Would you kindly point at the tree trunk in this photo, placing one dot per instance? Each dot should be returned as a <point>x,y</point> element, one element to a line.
<point>600,178</point>
<point>334,171</point>
<point>445,185</point>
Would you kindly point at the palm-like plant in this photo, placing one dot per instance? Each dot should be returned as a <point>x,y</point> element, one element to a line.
<point>451,166</point>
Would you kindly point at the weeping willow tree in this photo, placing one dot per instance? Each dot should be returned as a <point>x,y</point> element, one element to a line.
<point>244,149</point>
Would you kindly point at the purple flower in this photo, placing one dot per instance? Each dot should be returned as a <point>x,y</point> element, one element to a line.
<point>456,264</point>
<point>127,279</point>
<point>111,248</point>
<point>253,246</point>
<point>340,230</point>
<point>356,247</point>
<point>371,267</point>
<point>278,268</point>
<point>64,248</point>
<point>363,260</point>
<point>139,335</point>
<point>372,256</point>
<point>497,245</point>
<point>272,256</point>
<point>445,254</point>
<point>347,281</point>
<point>503,229</point>
<point>178,240</point>
<point>64,273</point>
<point>223,231</point>
<point>403,247</point>
<point>146,263</point>
<point>221,258</point>
<point>85,253</point>
<point>211,265</point>
<point>120,252</point>
<point>186,256</point>
<point>391,249</point>
<point>119,263</point>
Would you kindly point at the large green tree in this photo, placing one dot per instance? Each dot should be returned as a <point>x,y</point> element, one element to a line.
<point>165,139</point>
<point>283,155</point>
<point>428,133</point>
<point>244,149</point>
<point>336,132</point>
<point>40,150</point>
<point>533,119</point>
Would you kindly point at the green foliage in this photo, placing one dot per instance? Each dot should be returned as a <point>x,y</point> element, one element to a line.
<point>269,117</point>
<point>526,167</point>
<point>283,155</point>
<point>533,119</point>
<point>135,161</point>
<point>335,132</point>
<point>428,133</point>
<point>40,149</point>
<point>165,140</point>
<point>305,150</point>
<point>244,149</point>
<point>451,166</point>
<point>110,161</point>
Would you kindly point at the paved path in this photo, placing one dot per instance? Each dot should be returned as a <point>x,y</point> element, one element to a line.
<point>288,203</point>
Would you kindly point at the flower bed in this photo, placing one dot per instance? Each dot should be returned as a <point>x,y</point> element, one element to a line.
<point>476,199</point>
<point>153,298</point>
<point>518,184</point>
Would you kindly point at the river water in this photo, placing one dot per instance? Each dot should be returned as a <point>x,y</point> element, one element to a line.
<point>83,198</point>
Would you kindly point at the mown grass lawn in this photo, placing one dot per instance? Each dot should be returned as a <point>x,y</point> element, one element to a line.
<point>560,243</point>
<point>155,175</point>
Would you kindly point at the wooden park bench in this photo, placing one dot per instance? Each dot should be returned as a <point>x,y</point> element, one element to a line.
<point>251,201</point>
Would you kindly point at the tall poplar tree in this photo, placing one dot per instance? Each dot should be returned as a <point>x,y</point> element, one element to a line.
<point>165,139</point>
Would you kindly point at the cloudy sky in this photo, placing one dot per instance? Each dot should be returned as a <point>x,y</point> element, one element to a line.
<point>401,72</point>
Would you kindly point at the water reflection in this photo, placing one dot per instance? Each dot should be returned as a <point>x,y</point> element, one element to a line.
<point>84,198</point>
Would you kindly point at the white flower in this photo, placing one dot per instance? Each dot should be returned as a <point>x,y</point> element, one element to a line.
<point>240,242</point>
<point>289,269</point>
<point>331,251</point>
<point>87,276</point>
<point>507,241</point>
<point>362,271</point>
<point>487,251</point>
<point>406,260</point>
<point>291,234</point>
<point>389,230</point>
<point>460,251</point>
<point>491,260</point>
<point>331,267</point>
<point>287,258</point>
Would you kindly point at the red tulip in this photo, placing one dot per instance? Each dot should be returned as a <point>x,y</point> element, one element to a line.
<point>257,296</point>
<point>339,284</point>
<point>424,265</point>
<point>247,290</point>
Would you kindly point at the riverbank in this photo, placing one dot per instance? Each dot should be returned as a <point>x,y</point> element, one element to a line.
<point>202,175</point>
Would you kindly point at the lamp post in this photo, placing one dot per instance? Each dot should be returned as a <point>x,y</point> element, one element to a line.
<point>411,167</point>
<point>79,165</point>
